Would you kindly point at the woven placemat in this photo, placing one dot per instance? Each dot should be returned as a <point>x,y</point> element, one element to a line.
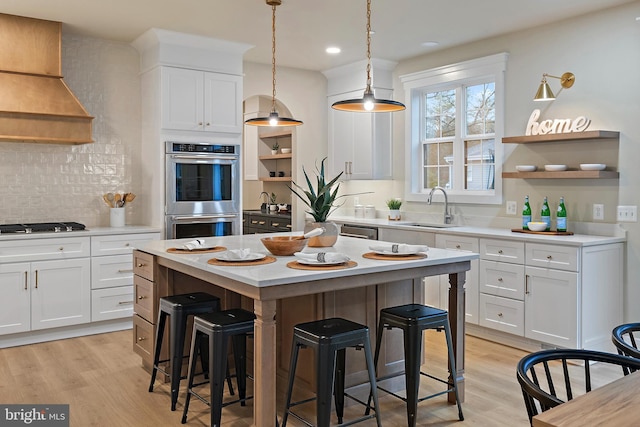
<point>266,260</point>
<point>373,255</point>
<point>297,266</point>
<point>196,251</point>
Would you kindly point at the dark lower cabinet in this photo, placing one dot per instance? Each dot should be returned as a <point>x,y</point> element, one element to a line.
<point>261,222</point>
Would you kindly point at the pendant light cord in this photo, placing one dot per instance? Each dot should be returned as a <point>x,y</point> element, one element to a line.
<point>273,57</point>
<point>368,44</point>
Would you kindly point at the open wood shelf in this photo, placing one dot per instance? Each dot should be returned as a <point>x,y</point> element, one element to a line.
<point>573,136</point>
<point>577,174</point>
<point>275,134</point>
<point>275,156</point>
<point>275,178</point>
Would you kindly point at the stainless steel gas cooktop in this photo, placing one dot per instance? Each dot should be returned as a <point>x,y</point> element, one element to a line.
<point>41,227</point>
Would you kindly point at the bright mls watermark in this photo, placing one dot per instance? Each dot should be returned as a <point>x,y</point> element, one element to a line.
<point>34,415</point>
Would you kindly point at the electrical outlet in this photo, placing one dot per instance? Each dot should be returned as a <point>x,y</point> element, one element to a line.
<point>598,212</point>
<point>512,208</point>
<point>356,200</point>
<point>627,214</point>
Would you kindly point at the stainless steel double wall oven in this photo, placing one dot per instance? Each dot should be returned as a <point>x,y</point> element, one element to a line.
<point>202,190</point>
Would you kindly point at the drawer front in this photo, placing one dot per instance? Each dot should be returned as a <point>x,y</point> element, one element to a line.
<point>111,271</point>
<point>503,314</point>
<point>143,336</point>
<point>502,250</point>
<point>144,299</point>
<point>120,244</point>
<point>502,279</point>
<point>143,265</point>
<point>260,224</point>
<point>111,303</point>
<point>279,224</point>
<point>45,249</point>
<point>552,256</point>
<point>468,244</point>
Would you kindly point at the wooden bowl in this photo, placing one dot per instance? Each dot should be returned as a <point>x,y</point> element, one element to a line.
<point>284,245</point>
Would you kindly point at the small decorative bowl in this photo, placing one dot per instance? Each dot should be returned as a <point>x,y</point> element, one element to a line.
<point>284,245</point>
<point>526,168</point>
<point>537,226</point>
<point>285,150</point>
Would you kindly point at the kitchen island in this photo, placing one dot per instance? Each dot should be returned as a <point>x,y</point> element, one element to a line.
<point>386,283</point>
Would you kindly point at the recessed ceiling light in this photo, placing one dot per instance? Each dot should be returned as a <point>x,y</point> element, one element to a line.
<point>430,44</point>
<point>333,50</point>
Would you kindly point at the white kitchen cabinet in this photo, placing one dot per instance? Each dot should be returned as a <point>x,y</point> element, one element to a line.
<point>15,304</point>
<point>112,274</point>
<point>464,244</point>
<point>360,144</point>
<point>195,100</point>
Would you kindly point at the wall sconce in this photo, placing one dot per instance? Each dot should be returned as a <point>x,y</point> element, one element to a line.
<point>544,91</point>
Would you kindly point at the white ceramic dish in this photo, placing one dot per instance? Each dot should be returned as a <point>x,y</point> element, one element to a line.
<point>285,150</point>
<point>592,166</point>
<point>226,256</point>
<point>316,262</point>
<point>555,168</point>
<point>389,253</point>
<point>537,226</point>
<point>526,168</point>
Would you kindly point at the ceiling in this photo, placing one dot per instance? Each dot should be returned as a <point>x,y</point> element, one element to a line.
<point>306,27</point>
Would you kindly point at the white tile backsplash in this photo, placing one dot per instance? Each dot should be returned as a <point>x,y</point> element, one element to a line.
<point>51,182</point>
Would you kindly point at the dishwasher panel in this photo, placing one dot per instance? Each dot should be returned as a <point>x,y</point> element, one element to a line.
<point>359,231</point>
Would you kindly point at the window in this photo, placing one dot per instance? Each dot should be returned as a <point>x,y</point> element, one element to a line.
<point>455,122</point>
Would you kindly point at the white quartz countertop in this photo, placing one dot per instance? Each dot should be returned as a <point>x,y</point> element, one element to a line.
<point>487,232</point>
<point>96,231</point>
<point>278,273</point>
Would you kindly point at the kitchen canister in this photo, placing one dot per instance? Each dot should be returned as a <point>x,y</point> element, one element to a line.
<point>116,217</point>
<point>358,211</point>
<point>370,212</point>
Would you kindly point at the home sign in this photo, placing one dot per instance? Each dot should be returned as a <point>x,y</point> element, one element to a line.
<point>544,127</point>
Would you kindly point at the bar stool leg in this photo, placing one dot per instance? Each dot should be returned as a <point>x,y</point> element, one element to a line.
<point>162,320</point>
<point>218,346</point>
<point>371,368</point>
<point>412,352</point>
<point>196,347</point>
<point>178,325</point>
<point>295,349</point>
<point>375,361</point>
<point>239,343</point>
<point>452,369</point>
<point>338,388</point>
<point>325,369</point>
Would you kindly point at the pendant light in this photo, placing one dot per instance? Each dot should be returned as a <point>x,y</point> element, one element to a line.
<point>368,102</point>
<point>273,119</point>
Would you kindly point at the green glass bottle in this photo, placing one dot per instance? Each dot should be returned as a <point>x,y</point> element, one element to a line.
<point>561,217</point>
<point>545,214</point>
<point>526,214</point>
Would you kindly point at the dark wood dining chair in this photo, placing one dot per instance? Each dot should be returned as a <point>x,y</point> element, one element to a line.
<point>551,377</point>
<point>625,337</point>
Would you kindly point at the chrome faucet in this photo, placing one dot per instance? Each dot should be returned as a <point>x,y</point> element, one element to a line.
<point>447,216</point>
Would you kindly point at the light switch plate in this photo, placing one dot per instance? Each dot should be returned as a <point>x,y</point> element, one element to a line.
<point>512,208</point>
<point>627,214</point>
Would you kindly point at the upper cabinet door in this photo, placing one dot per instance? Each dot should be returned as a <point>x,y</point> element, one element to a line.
<point>182,99</point>
<point>222,96</point>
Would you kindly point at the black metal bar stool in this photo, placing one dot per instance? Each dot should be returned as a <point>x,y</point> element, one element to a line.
<point>329,339</point>
<point>413,319</point>
<point>178,308</point>
<point>219,327</point>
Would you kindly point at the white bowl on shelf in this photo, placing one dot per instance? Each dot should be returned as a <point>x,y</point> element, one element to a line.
<point>555,168</point>
<point>537,226</point>
<point>592,166</point>
<point>526,168</point>
<point>285,150</point>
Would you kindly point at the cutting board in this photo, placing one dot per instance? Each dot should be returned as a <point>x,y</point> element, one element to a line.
<point>548,233</point>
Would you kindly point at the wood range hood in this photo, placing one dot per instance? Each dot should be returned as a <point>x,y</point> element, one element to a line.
<point>35,103</point>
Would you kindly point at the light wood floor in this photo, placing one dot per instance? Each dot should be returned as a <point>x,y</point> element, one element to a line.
<point>101,379</point>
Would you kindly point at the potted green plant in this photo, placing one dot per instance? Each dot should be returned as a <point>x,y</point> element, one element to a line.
<point>394,208</point>
<point>321,202</point>
<point>273,206</point>
<point>274,148</point>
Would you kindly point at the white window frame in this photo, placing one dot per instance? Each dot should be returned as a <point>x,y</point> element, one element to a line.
<point>466,72</point>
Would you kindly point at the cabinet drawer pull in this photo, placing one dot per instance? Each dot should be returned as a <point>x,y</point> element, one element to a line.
<point>458,246</point>
<point>26,280</point>
<point>141,339</point>
<point>288,225</point>
<point>254,221</point>
<point>140,264</point>
<point>500,279</point>
<point>262,222</point>
<point>130,270</point>
<point>126,245</point>
<point>61,248</point>
<point>36,279</point>
<point>125,302</point>
<point>549,257</point>
<point>275,224</point>
<point>499,314</point>
<point>199,123</point>
<point>526,284</point>
<point>500,251</point>
<point>141,297</point>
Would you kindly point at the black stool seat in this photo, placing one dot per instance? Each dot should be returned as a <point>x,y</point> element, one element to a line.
<point>178,308</point>
<point>219,327</point>
<point>413,319</point>
<point>329,338</point>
